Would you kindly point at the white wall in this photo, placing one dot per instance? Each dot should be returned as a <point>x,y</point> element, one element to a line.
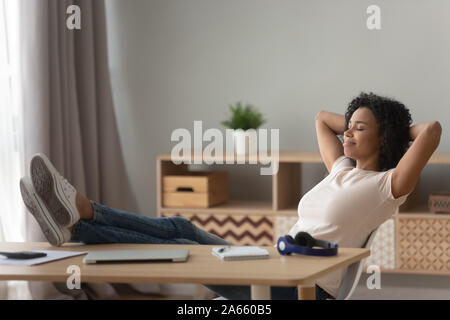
<point>176,61</point>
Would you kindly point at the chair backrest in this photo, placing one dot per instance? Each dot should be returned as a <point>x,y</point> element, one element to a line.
<point>353,273</point>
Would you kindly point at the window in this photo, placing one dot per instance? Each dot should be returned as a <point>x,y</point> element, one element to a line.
<point>12,218</point>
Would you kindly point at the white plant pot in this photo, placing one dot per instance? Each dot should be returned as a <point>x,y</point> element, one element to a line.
<point>240,142</point>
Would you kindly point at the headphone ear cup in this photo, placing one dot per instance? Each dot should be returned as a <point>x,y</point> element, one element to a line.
<point>304,239</point>
<point>290,239</point>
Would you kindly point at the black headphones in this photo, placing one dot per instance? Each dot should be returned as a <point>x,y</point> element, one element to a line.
<point>304,243</point>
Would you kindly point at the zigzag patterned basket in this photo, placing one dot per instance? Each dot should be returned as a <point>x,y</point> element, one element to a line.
<point>240,230</point>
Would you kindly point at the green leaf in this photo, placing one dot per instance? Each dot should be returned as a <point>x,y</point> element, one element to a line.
<point>244,118</point>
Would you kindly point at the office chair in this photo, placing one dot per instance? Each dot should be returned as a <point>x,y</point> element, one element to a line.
<point>353,273</point>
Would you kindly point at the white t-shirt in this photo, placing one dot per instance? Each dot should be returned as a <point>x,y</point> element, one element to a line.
<point>345,207</point>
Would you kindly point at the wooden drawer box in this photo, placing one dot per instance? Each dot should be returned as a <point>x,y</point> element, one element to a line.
<point>199,189</point>
<point>423,244</point>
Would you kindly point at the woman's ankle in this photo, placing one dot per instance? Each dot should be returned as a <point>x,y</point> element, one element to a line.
<point>84,207</point>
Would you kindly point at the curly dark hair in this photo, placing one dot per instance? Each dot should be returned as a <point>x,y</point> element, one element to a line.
<point>393,120</point>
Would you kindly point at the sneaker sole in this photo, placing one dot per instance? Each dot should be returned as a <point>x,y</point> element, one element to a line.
<point>47,188</point>
<point>48,227</point>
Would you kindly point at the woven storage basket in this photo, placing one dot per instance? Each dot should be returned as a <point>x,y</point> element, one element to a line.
<point>423,244</point>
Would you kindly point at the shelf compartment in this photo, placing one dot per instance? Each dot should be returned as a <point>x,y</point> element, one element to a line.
<point>423,212</point>
<point>286,186</point>
<point>238,207</point>
<point>231,207</point>
<point>291,211</point>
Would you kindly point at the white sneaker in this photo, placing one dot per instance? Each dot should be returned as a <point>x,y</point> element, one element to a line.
<point>58,194</point>
<point>55,234</point>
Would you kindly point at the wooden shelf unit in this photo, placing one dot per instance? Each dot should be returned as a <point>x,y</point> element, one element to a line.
<point>286,185</point>
<point>245,222</point>
<point>261,222</point>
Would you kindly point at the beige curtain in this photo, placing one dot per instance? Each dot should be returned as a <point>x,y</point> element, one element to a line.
<point>68,112</point>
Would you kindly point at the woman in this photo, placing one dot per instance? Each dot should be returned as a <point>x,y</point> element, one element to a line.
<point>370,175</point>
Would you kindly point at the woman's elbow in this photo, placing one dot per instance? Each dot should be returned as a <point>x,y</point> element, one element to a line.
<point>319,115</point>
<point>435,131</point>
<point>437,124</point>
<point>436,128</point>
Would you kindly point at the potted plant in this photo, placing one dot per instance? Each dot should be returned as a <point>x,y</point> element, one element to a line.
<point>243,118</point>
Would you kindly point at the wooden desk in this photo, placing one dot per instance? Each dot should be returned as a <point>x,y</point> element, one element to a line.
<point>202,268</point>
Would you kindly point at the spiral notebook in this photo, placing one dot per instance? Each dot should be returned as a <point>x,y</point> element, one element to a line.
<point>240,253</point>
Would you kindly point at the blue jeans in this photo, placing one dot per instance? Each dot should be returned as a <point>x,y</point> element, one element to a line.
<point>116,226</point>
